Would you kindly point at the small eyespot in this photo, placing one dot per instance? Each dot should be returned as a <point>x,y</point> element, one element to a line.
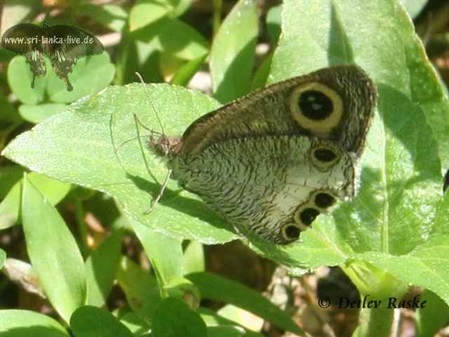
<point>315,105</point>
<point>308,215</point>
<point>324,155</point>
<point>291,232</point>
<point>324,200</point>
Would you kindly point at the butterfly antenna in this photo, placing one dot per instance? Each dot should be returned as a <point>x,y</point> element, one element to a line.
<point>152,105</point>
<point>111,122</point>
<point>141,146</point>
<point>169,171</point>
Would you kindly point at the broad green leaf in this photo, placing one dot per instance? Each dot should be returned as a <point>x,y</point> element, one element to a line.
<point>53,252</point>
<point>433,316</point>
<point>166,258</point>
<point>89,75</point>
<point>146,13</point>
<point>194,260</point>
<point>274,23</point>
<point>94,144</point>
<point>241,317</point>
<point>19,80</point>
<point>9,176</point>
<point>53,190</point>
<point>232,53</point>
<point>112,16</point>
<point>220,289</point>
<point>164,253</point>
<point>37,113</point>
<point>173,36</point>
<point>136,324</point>
<point>414,7</point>
<point>10,195</point>
<point>186,72</point>
<point>10,207</point>
<point>174,318</point>
<point>89,321</point>
<point>141,289</point>
<point>430,259</point>
<point>212,319</point>
<point>24,323</point>
<point>101,269</point>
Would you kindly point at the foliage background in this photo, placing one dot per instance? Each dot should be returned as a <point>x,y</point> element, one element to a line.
<point>171,41</point>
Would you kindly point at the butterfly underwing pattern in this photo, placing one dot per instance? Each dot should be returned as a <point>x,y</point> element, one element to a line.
<point>62,44</point>
<point>271,162</point>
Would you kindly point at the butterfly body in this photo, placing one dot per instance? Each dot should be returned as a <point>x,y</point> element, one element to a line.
<point>269,163</point>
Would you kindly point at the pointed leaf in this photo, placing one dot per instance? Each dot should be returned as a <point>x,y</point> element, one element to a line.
<point>53,252</point>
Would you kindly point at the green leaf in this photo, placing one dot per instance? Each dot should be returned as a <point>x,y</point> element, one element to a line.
<point>2,258</point>
<point>112,16</point>
<point>37,113</point>
<point>89,75</point>
<point>9,176</point>
<point>173,36</point>
<point>232,53</point>
<point>53,252</point>
<point>53,190</point>
<point>213,319</point>
<point>101,269</point>
<point>10,207</point>
<point>225,331</point>
<point>220,289</point>
<point>429,258</point>
<point>146,13</point>
<point>274,23</point>
<point>414,7</point>
<point>62,147</point>
<point>433,316</point>
<point>89,321</point>
<point>174,318</point>
<point>24,323</point>
<point>10,192</point>
<point>194,258</point>
<point>141,289</point>
<point>186,72</point>
<point>164,253</point>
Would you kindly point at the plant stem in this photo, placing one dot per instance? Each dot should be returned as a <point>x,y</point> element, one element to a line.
<point>376,322</point>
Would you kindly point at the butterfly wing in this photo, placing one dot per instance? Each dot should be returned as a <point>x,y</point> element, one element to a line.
<point>334,103</point>
<point>65,45</point>
<point>25,39</point>
<point>271,162</point>
<point>271,186</point>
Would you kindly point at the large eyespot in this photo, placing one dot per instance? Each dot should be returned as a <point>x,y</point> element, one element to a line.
<point>324,156</point>
<point>316,107</point>
<point>290,232</point>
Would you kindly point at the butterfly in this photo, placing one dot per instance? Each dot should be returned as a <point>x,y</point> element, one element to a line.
<point>269,163</point>
<point>63,44</point>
